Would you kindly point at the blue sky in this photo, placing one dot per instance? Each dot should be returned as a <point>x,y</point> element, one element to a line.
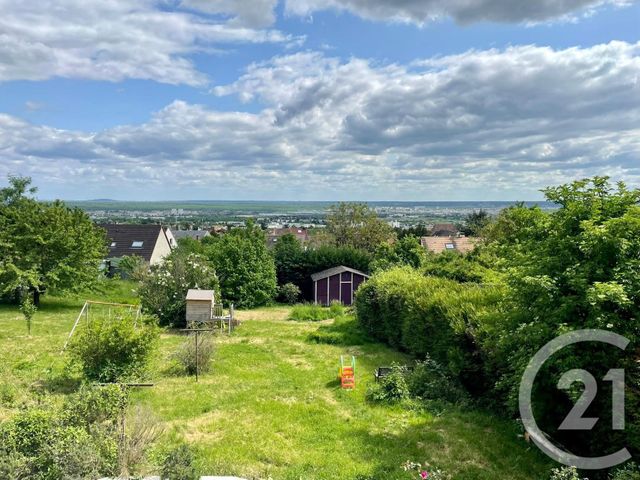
<point>311,100</point>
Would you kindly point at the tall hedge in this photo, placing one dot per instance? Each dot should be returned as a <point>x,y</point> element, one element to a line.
<point>426,315</point>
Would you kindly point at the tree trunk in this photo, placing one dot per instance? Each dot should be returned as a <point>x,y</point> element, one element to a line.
<point>36,297</point>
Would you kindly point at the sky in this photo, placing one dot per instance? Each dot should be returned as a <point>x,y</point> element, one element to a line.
<point>318,99</point>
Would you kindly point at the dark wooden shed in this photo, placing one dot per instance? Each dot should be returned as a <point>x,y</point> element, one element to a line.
<point>336,284</point>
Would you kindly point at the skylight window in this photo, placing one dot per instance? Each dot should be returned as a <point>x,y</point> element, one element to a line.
<point>449,246</point>
<point>137,244</point>
<point>113,244</point>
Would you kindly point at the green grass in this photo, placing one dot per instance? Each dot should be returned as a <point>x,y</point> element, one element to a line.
<point>271,405</point>
<point>311,312</point>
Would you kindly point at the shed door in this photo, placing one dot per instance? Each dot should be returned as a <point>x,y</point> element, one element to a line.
<point>322,291</point>
<point>345,291</point>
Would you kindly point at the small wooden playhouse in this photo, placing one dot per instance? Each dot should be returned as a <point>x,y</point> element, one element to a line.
<point>200,305</point>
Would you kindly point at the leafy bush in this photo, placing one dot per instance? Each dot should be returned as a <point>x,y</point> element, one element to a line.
<point>391,388</point>
<point>565,473</point>
<point>186,355</point>
<point>428,316</point>
<point>629,471</point>
<point>163,292</point>
<point>314,313</point>
<point>111,350</point>
<point>48,444</point>
<point>289,293</point>
<point>133,267</point>
<point>429,381</point>
<point>179,464</point>
<point>246,268</point>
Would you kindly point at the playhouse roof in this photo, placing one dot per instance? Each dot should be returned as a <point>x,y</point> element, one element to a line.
<point>205,295</point>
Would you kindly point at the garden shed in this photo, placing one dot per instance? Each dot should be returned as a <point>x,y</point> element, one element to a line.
<point>336,284</point>
<point>200,305</point>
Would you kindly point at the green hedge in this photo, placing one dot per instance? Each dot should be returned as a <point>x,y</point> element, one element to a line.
<point>428,316</point>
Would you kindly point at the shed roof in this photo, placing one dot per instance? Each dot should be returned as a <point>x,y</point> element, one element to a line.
<point>334,271</point>
<point>121,239</point>
<point>194,294</point>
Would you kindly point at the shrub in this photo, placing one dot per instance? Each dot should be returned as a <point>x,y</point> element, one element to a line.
<point>186,356</point>
<point>430,381</point>
<point>289,293</point>
<point>133,267</point>
<point>142,430</point>
<point>179,464</point>
<point>391,388</point>
<point>163,292</point>
<point>629,471</point>
<point>565,473</point>
<point>428,316</point>
<point>111,350</point>
<point>313,312</point>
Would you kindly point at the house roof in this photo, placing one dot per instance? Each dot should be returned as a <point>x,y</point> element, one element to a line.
<point>121,238</point>
<point>444,229</point>
<point>451,243</point>
<point>334,271</point>
<point>194,294</point>
<point>195,234</point>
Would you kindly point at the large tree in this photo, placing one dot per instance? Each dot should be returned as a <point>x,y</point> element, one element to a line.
<point>356,225</point>
<point>245,267</point>
<point>45,245</point>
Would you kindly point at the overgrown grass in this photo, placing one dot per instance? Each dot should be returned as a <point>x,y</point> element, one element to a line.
<point>271,406</point>
<point>311,312</point>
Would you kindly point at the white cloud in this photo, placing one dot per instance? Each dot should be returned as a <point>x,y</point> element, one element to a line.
<point>462,11</point>
<point>253,13</point>
<point>482,124</point>
<point>112,40</point>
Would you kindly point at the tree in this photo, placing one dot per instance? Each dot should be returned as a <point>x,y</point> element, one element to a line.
<point>356,225</point>
<point>28,310</point>
<point>573,268</point>
<point>475,222</point>
<point>244,266</point>
<point>289,258</point>
<point>45,245</point>
<point>163,291</point>
<point>406,251</point>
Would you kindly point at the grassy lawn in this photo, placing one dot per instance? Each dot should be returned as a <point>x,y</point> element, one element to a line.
<point>271,405</point>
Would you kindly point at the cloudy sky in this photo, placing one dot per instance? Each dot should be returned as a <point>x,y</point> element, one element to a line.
<point>318,99</point>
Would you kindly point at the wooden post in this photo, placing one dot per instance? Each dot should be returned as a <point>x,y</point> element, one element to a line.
<point>197,332</point>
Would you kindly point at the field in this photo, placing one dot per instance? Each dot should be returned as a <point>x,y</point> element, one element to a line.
<point>271,406</point>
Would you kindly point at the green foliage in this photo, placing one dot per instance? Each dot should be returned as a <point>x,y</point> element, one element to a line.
<point>163,292</point>
<point>391,388</point>
<point>314,313</point>
<point>430,381</point>
<point>245,267</point>
<point>356,225</point>
<point>187,356</point>
<point>133,267</point>
<point>565,473</point>
<point>629,471</point>
<point>179,464</point>
<point>469,268</point>
<point>290,260</point>
<point>28,310</point>
<point>428,316</point>
<point>476,222</point>
<point>49,443</point>
<point>112,350</point>
<point>289,293</point>
<point>573,268</point>
<point>45,246</point>
<point>406,251</point>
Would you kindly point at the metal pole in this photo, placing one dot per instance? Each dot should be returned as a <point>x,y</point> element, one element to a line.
<point>197,332</point>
